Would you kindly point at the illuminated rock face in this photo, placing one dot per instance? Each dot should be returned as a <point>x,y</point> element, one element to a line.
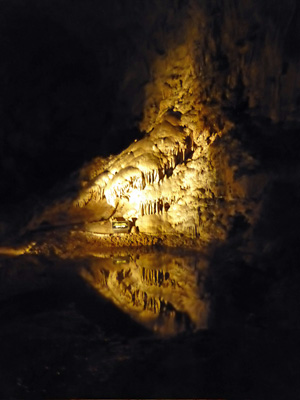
<point>194,172</point>
<point>156,181</point>
<point>170,182</point>
<point>176,180</point>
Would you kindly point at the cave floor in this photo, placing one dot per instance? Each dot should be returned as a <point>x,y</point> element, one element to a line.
<point>59,340</point>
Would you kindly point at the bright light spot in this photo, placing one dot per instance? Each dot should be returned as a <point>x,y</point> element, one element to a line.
<point>136,198</point>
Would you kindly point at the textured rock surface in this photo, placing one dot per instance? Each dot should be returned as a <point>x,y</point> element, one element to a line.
<point>216,88</point>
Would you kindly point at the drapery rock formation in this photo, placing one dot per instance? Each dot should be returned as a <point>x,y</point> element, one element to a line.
<point>221,86</point>
<point>220,90</point>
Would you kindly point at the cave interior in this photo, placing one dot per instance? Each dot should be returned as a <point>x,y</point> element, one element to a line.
<point>149,208</point>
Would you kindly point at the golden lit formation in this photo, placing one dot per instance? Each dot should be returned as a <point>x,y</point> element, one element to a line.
<point>160,290</point>
<point>187,177</point>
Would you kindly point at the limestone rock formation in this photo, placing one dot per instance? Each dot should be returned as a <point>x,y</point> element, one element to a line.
<point>170,182</point>
<point>221,84</point>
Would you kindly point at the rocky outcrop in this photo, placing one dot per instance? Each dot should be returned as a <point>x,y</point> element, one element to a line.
<point>221,84</point>
<point>170,182</point>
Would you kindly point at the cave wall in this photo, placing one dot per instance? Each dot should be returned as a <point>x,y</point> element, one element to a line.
<point>222,73</point>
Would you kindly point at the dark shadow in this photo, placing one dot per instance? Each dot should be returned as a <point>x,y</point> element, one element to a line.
<point>61,101</point>
<point>61,288</point>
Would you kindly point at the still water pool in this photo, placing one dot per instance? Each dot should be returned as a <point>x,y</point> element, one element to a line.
<point>148,324</point>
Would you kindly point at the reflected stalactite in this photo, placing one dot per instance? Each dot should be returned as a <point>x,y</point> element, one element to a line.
<point>159,290</point>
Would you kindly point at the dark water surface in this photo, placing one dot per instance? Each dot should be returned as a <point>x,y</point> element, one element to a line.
<point>161,324</point>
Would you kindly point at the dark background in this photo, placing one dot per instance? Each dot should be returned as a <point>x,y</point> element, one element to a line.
<point>63,97</point>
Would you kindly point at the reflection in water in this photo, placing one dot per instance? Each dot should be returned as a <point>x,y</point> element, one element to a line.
<point>162,291</point>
